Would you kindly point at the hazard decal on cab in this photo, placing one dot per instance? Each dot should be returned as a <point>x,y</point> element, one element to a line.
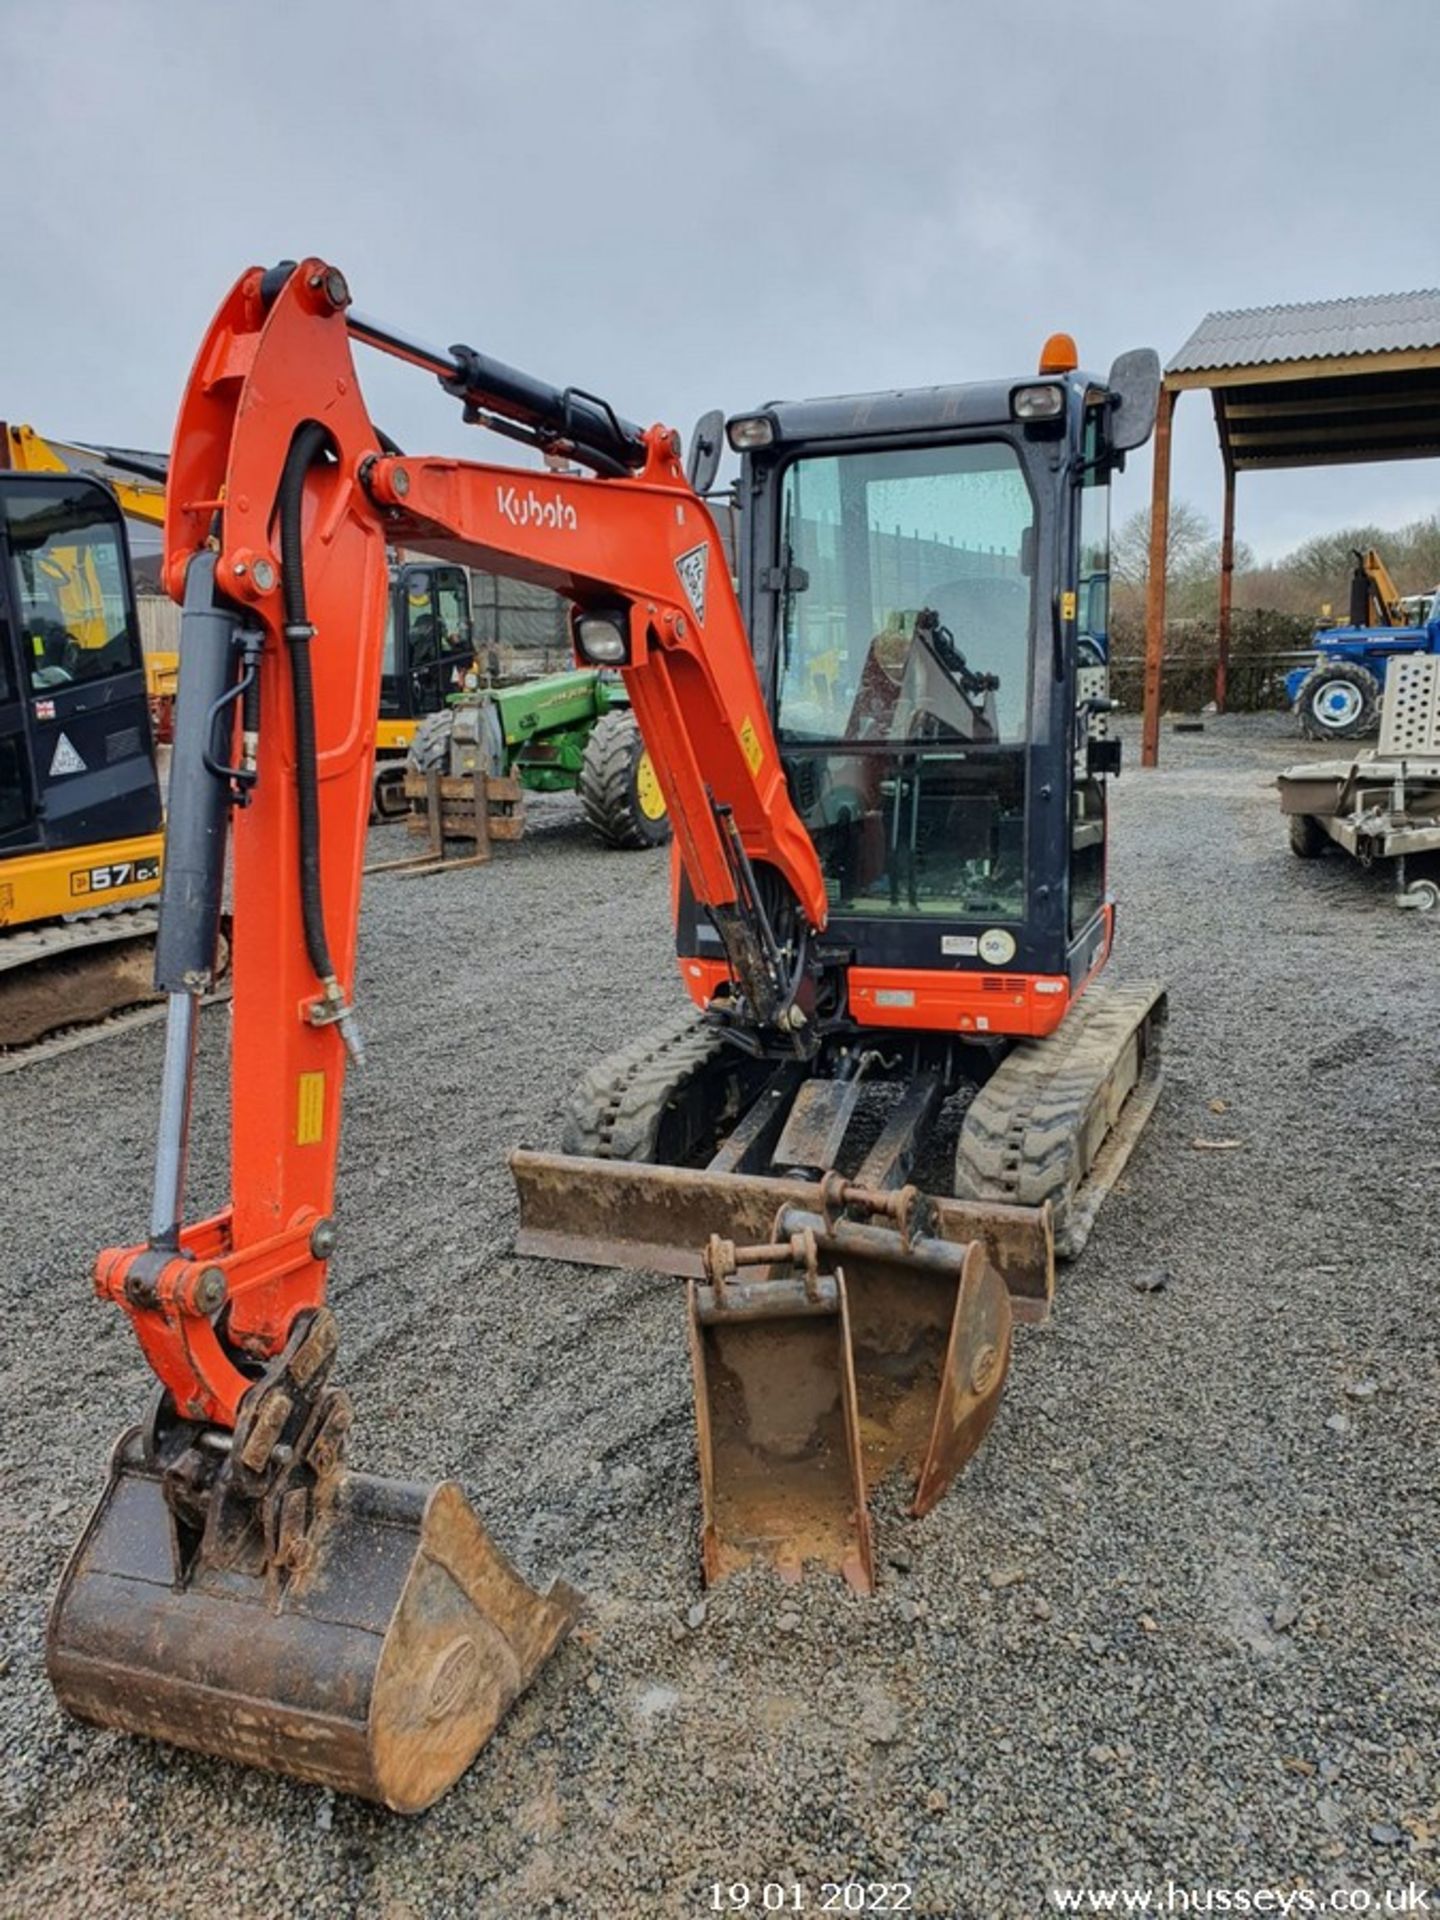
<point>66,759</point>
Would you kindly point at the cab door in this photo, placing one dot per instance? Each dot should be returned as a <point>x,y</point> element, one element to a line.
<point>436,646</point>
<point>18,828</point>
<point>80,696</point>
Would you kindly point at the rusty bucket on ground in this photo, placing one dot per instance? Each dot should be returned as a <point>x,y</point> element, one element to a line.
<point>361,1633</point>
<point>777,1429</point>
<point>823,1359</point>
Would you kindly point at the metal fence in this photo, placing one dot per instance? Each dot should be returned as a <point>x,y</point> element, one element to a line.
<point>514,616</point>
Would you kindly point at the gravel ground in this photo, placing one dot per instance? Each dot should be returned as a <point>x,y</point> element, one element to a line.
<point>1178,1621</point>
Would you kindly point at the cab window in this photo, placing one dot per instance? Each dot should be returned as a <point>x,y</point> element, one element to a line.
<point>914,617</point>
<point>72,602</point>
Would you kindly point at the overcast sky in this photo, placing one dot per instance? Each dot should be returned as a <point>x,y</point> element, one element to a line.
<point>687,205</point>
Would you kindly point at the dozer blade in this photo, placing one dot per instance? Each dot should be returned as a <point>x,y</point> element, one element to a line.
<point>378,1666</point>
<point>627,1213</point>
<point>930,1327</point>
<point>777,1429</point>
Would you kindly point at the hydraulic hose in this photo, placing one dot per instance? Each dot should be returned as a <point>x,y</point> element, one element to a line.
<point>310,441</point>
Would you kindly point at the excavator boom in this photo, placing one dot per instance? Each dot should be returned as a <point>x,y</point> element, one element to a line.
<point>282,500</point>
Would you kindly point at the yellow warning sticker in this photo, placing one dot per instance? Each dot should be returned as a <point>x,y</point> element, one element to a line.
<point>1067,606</point>
<point>310,1110</point>
<point>750,745</point>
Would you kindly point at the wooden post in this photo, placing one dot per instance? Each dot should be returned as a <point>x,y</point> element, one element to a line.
<point>1155,588</point>
<point>1227,575</point>
<point>482,812</point>
<point>435,814</point>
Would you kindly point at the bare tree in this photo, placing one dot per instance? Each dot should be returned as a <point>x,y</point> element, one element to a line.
<point>1190,540</point>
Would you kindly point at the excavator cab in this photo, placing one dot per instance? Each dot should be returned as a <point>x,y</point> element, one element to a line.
<point>924,577</point>
<point>429,640</point>
<point>429,651</point>
<point>80,812</point>
<point>77,766</point>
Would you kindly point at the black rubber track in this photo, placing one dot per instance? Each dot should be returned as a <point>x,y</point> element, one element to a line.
<point>616,1109</point>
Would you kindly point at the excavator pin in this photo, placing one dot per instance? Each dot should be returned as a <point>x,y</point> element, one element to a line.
<point>826,1358</point>
<point>259,1602</point>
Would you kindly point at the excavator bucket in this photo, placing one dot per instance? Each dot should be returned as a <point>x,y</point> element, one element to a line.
<point>930,1326</point>
<point>374,1652</point>
<point>827,1357</point>
<point>777,1429</point>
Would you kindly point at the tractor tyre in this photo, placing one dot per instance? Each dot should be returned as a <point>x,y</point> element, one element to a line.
<point>430,748</point>
<point>1308,839</point>
<point>1337,701</point>
<point>618,788</point>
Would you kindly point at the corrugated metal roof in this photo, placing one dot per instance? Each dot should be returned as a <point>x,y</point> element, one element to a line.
<point>1312,330</point>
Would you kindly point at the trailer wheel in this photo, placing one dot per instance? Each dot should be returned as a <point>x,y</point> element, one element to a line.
<point>1337,701</point>
<point>1308,839</point>
<point>618,788</point>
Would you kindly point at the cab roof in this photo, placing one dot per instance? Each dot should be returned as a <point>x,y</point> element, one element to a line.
<point>977,403</point>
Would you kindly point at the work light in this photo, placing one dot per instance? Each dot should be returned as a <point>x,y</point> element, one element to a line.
<point>1037,403</point>
<point>750,430</point>
<point>603,638</point>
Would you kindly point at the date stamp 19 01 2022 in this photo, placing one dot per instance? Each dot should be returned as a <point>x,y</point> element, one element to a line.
<point>796,1896</point>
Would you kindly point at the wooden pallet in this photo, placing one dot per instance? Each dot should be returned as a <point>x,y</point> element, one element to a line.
<point>472,810</point>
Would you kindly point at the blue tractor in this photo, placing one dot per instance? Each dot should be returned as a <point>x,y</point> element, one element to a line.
<point>1338,698</point>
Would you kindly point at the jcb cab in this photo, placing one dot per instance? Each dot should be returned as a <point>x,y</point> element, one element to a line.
<point>429,650</point>
<point>80,810</point>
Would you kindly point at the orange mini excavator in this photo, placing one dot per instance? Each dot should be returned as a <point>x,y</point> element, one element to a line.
<point>887,789</point>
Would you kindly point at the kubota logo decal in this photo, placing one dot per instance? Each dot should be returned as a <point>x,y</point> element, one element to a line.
<point>528,509</point>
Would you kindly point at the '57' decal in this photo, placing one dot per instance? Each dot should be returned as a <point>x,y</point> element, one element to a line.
<point>118,873</point>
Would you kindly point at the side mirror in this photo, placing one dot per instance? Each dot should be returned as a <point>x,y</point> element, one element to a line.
<point>1133,398</point>
<point>707,443</point>
<point>1134,387</point>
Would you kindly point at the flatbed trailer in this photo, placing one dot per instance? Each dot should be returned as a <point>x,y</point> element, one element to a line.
<point>1385,803</point>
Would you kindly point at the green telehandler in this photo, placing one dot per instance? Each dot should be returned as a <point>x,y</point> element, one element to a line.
<point>564,733</point>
